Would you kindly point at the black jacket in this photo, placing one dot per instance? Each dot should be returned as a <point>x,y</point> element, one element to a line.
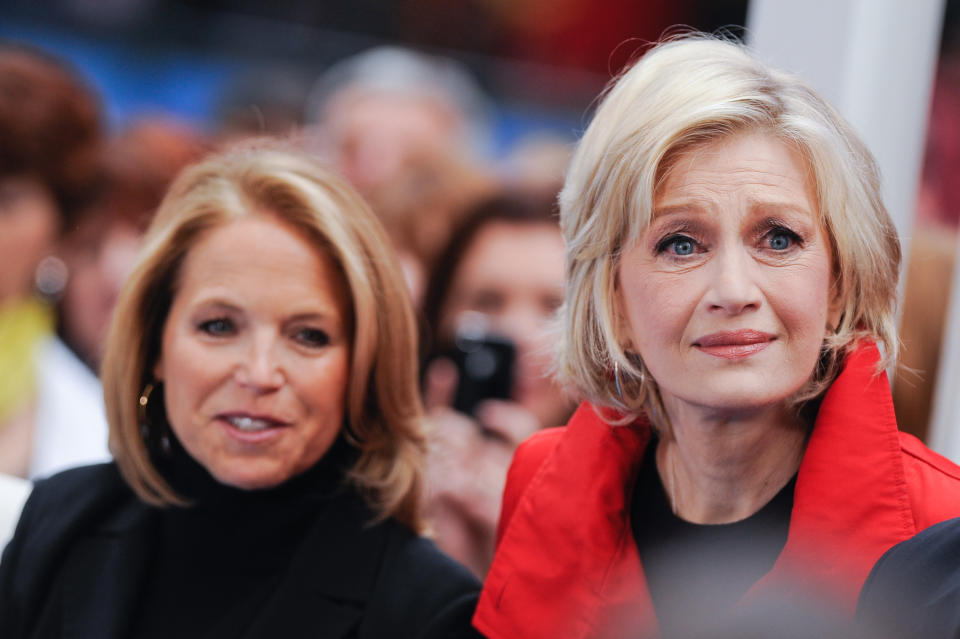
<point>913,590</point>
<point>76,563</point>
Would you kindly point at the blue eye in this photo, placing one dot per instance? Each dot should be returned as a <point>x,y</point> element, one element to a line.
<point>680,245</point>
<point>781,239</point>
<point>217,327</point>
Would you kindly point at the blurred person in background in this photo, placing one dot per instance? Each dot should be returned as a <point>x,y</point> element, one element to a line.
<point>731,281</point>
<point>51,137</point>
<point>496,285</point>
<point>262,100</point>
<point>914,588</point>
<point>13,494</point>
<point>410,131</point>
<point>265,417</point>
<point>92,260</point>
<point>99,249</point>
<point>536,163</point>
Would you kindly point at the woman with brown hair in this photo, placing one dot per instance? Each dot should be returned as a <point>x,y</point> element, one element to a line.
<point>261,389</point>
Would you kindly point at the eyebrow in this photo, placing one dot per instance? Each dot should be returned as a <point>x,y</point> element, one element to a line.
<point>217,302</point>
<point>694,208</point>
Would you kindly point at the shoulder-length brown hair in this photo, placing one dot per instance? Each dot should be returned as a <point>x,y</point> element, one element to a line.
<point>384,411</point>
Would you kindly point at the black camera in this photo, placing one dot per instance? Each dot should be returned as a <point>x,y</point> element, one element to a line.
<point>484,361</point>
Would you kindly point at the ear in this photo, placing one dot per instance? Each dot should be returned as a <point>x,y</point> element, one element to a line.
<point>834,308</point>
<point>621,324</point>
<point>158,369</point>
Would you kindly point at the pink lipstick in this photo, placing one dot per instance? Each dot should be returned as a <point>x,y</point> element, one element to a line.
<point>734,344</point>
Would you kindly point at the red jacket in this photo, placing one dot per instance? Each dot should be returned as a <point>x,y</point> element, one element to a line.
<point>567,566</point>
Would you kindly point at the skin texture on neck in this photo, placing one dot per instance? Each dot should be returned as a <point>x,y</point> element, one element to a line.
<point>720,467</point>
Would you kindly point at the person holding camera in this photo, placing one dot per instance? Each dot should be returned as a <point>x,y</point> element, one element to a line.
<point>487,383</point>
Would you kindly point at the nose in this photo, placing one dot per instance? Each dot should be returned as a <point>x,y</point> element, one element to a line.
<point>259,368</point>
<point>733,287</point>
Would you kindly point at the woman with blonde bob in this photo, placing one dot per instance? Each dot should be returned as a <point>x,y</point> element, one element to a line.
<point>731,287</point>
<point>261,388</point>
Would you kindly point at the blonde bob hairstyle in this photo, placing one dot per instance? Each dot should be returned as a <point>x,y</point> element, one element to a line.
<point>384,413</point>
<point>681,94</point>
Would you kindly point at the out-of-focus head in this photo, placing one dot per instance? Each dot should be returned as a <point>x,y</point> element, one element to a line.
<point>258,265</point>
<point>680,105</point>
<point>381,107</point>
<point>265,100</point>
<point>505,261</point>
<point>50,127</point>
<point>100,247</point>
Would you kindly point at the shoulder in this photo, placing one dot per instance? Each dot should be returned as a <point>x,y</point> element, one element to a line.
<point>58,509</point>
<point>915,586</point>
<point>531,454</point>
<point>59,512</point>
<point>71,425</point>
<point>68,494</point>
<point>933,482</point>
<point>13,493</point>
<point>420,587</point>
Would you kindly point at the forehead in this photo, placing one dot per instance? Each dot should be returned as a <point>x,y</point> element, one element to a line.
<point>754,165</point>
<point>261,258</point>
<point>514,252</point>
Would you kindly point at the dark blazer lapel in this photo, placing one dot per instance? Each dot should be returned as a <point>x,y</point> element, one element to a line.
<point>108,566</point>
<point>330,578</point>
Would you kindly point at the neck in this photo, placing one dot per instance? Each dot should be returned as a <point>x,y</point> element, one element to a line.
<point>721,468</point>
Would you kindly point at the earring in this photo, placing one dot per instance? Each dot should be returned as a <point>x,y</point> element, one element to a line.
<point>641,378</point>
<point>50,278</point>
<point>616,380</point>
<point>146,427</point>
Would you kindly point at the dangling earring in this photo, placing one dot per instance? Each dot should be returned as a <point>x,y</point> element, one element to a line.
<point>145,426</point>
<point>616,380</point>
<point>50,278</point>
<point>618,384</point>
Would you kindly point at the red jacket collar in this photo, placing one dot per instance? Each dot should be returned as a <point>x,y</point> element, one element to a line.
<point>568,547</point>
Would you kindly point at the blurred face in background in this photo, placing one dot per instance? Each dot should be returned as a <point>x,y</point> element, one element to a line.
<point>376,134</point>
<point>29,225</point>
<point>99,257</point>
<point>513,273</point>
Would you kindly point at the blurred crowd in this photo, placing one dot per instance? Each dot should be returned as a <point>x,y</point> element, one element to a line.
<point>477,236</point>
<point>478,241</point>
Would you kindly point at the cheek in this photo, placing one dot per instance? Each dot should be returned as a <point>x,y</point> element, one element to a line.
<point>187,372</point>
<point>658,308</point>
<point>323,385</point>
<point>801,299</point>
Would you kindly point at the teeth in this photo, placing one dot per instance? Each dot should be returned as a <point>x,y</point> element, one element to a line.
<point>249,424</point>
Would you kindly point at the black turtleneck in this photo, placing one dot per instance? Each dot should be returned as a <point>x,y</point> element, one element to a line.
<point>218,560</point>
<point>698,572</point>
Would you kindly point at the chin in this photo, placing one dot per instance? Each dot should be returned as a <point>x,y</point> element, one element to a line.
<point>244,479</point>
<point>738,400</point>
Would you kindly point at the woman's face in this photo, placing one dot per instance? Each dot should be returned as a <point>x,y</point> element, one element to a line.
<point>99,255</point>
<point>513,273</point>
<point>255,353</point>
<point>727,295</point>
<point>28,230</point>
